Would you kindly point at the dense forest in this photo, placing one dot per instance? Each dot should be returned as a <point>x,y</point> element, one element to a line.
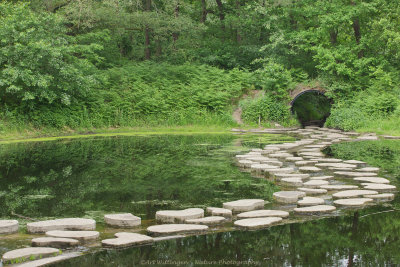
<point>82,64</point>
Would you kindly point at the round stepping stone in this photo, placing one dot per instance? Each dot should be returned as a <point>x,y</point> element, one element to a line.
<point>288,196</point>
<point>315,209</point>
<point>292,181</point>
<point>24,254</point>
<point>61,224</point>
<point>83,236</point>
<point>245,163</point>
<point>353,193</point>
<point>124,240</point>
<point>312,191</point>
<point>376,180</point>
<point>125,220</point>
<point>328,160</point>
<point>244,205</point>
<point>354,162</point>
<point>336,165</point>
<point>355,174</point>
<point>309,169</point>
<point>305,162</point>
<point>382,197</point>
<point>327,177</point>
<point>8,226</point>
<point>54,242</point>
<point>211,220</point>
<point>219,212</point>
<point>353,202</point>
<point>315,183</point>
<point>174,216</point>
<point>173,229</point>
<point>379,187</point>
<point>368,169</point>
<point>335,187</point>
<point>263,213</point>
<point>294,158</point>
<point>257,223</point>
<point>310,201</point>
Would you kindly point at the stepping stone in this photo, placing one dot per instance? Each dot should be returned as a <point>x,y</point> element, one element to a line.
<point>379,187</point>
<point>61,224</point>
<point>368,169</point>
<point>173,229</point>
<point>281,170</point>
<point>305,162</point>
<point>210,221</point>
<point>309,169</point>
<point>327,177</point>
<point>294,158</point>
<point>82,236</point>
<point>335,187</point>
<point>340,169</point>
<point>315,146</point>
<point>8,226</point>
<point>310,201</point>
<point>315,209</point>
<point>258,159</point>
<point>176,216</point>
<point>219,212</point>
<point>244,205</point>
<point>354,162</point>
<point>54,242</point>
<point>125,220</point>
<point>313,154</point>
<point>356,174</point>
<point>288,196</point>
<point>328,160</point>
<point>368,137</point>
<point>376,180</point>
<point>124,240</point>
<point>257,223</point>
<point>353,202</point>
<point>50,260</point>
<point>263,213</point>
<point>24,254</point>
<point>262,167</point>
<point>312,191</point>
<point>169,237</point>
<point>336,165</point>
<point>280,155</point>
<point>353,193</point>
<point>315,183</point>
<point>245,163</point>
<point>382,197</point>
<point>292,181</point>
<point>279,176</point>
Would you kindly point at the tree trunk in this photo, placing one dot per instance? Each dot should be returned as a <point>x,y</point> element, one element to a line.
<point>238,36</point>
<point>221,13</point>
<point>203,11</point>
<point>357,32</point>
<point>175,35</point>
<point>147,52</point>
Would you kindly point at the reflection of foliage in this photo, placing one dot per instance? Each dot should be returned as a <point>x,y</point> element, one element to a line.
<point>70,178</point>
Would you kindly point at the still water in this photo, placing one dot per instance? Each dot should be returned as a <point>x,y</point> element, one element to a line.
<point>93,176</point>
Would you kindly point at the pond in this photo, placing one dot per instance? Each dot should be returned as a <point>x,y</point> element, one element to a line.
<point>90,177</point>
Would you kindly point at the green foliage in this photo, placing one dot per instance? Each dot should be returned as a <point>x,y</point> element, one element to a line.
<point>311,107</point>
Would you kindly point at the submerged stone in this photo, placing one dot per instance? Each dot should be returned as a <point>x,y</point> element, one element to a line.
<point>173,229</point>
<point>122,220</point>
<point>174,216</point>
<point>61,224</point>
<point>257,223</point>
<point>8,226</point>
<point>244,205</point>
<point>263,213</point>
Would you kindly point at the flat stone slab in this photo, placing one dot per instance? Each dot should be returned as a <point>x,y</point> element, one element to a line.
<point>313,154</point>
<point>280,155</point>
<point>336,165</point>
<point>382,197</point>
<point>335,187</point>
<point>24,254</point>
<point>355,174</point>
<point>353,202</point>
<point>263,213</point>
<point>315,209</point>
<point>376,180</point>
<point>353,193</point>
<point>245,163</point>
<point>305,162</point>
<point>257,223</point>
<point>263,167</point>
<point>310,201</point>
<point>368,169</point>
<point>288,196</point>
<point>312,191</point>
<point>243,205</point>
<point>173,229</point>
<point>54,242</point>
<point>292,181</point>
<point>315,183</point>
<point>175,216</point>
<point>295,175</point>
<point>219,212</point>
<point>61,224</point>
<point>50,260</point>
<point>281,170</point>
<point>8,226</point>
<point>83,236</point>
<point>210,220</point>
<point>352,161</point>
<point>125,220</point>
<point>326,177</point>
<point>328,160</point>
<point>379,187</point>
<point>294,159</point>
<point>309,169</point>
<point>124,240</point>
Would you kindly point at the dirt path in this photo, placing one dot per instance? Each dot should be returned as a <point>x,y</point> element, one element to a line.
<point>237,115</point>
